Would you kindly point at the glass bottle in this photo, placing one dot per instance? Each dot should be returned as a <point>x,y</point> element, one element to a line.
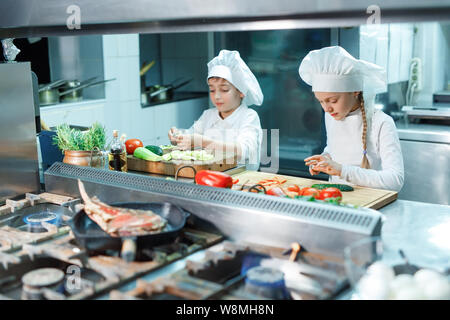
<point>117,157</point>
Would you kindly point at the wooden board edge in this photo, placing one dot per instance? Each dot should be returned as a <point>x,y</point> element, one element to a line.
<point>380,202</point>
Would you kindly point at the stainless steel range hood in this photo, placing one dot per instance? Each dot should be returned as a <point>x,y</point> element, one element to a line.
<point>27,18</point>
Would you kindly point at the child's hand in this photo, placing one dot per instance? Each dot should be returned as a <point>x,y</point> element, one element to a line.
<point>190,141</point>
<point>323,163</point>
<point>172,135</point>
<point>184,142</point>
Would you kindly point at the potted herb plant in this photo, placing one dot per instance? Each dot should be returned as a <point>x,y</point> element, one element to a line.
<point>83,148</point>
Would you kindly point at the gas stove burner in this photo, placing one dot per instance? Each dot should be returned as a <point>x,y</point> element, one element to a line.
<point>266,282</point>
<point>34,281</point>
<point>34,221</point>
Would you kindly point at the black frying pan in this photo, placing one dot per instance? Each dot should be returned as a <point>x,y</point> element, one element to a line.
<point>93,238</point>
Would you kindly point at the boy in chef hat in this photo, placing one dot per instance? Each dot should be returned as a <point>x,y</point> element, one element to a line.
<point>231,126</point>
<point>363,147</point>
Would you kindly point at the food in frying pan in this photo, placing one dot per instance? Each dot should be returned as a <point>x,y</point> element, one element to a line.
<point>120,221</point>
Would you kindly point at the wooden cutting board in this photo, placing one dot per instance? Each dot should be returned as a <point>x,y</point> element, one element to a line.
<point>169,168</point>
<point>360,196</point>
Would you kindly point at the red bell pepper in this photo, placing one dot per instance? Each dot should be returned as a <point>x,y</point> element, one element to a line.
<point>213,179</point>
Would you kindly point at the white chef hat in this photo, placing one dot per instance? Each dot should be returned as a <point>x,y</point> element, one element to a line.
<point>229,66</point>
<point>333,69</point>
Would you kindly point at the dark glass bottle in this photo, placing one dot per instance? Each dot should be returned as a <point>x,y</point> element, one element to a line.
<point>117,157</point>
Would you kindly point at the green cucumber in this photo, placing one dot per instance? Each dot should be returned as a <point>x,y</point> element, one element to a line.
<point>342,187</point>
<point>155,149</point>
<point>145,154</point>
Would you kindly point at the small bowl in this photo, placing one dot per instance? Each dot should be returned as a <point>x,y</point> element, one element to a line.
<point>34,221</point>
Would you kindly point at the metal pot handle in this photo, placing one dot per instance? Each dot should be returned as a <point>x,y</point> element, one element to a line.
<point>182,167</point>
<point>84,86</point>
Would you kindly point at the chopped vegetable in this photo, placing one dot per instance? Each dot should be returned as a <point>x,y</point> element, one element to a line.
<point>199,155</point>
<point>167,147</point>
<point>145,154</point>
<point>341,187</point>
<point>166,157</point>
<point>333,201</point>
<point>272,182</point>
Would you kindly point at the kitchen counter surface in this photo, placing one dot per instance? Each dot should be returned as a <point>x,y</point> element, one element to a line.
<point>420,229</point>
<point>423,132</point>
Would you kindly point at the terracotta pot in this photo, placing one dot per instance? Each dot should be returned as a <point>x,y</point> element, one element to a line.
<point>83,158</point>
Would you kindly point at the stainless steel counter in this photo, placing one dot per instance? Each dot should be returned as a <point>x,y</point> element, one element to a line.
<point>423,132</point>
<point>426,158</point>
<point>420,229</point>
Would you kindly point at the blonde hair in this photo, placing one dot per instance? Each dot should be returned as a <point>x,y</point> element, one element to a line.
<point>365,162</point>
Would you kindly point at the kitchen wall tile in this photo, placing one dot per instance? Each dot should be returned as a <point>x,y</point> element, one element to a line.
<point>143,123</point>
<point>110,45</point>
<point>112,116</point>
<point>129,78</point>
<point>122,45</point>
<point>111,66</point>
<point>133,44</point>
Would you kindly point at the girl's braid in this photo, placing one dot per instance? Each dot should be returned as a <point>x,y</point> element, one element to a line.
<point>365,162</point>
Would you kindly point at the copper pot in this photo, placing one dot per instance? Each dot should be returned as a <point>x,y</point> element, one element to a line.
<point>84,158</point>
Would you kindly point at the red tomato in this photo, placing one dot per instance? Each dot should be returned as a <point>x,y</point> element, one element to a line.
<point>294,188</point>
<point>310,192</point>
<point>132,144</point>
<point>330,193</point>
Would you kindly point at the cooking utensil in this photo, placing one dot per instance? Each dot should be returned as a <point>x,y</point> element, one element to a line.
<point>51,85</point>
<point>93,238</point>
<point>169,87</point>
<point>406,267</point>
<point>48,94</point>
<point>146,67</point>
<point>162,93</point>
<point>142,72</point>
<point>70,84</point>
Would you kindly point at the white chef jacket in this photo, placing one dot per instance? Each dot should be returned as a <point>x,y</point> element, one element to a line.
<point>344,144</point>
<point>242,126</point>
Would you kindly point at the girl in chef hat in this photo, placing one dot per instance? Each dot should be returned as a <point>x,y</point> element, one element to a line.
<point>362,143</point>
<point>231,126</point>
